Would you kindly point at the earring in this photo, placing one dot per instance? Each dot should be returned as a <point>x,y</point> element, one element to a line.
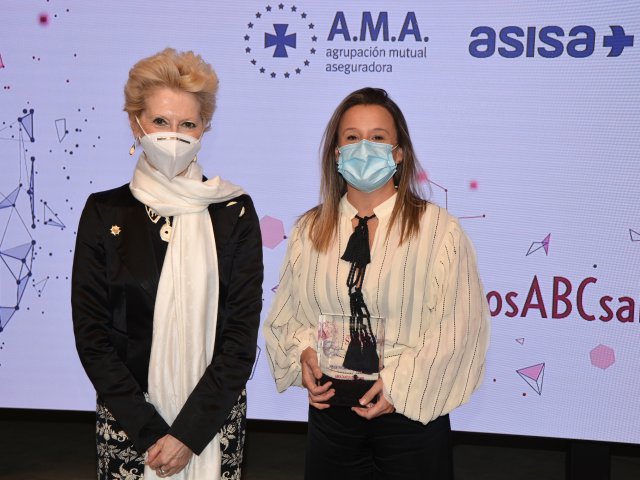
<point>132,150</point>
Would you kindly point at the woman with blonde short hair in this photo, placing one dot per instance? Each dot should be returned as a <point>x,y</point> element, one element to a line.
<point>167,290</point>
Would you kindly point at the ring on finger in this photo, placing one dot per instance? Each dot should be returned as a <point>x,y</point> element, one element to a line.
<point>162,471</point>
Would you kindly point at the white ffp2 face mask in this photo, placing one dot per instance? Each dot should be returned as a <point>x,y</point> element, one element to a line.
<point>169,152</point>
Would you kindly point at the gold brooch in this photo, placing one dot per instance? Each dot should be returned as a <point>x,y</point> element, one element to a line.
<point>115,230</point>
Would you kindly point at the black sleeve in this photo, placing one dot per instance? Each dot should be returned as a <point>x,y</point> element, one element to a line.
<point>97,339</point>
<point>241,273</point>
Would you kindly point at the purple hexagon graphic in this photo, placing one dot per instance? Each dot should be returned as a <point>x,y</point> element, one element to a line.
<point>272,231</point>
<point>602,357</point>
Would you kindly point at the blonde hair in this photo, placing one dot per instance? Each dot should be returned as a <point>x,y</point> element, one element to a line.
<point>322,220</point>
<point>183,71</point>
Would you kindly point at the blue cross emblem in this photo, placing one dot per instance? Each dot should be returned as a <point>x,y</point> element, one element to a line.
<point>281,40</point>
<point>617,41</point>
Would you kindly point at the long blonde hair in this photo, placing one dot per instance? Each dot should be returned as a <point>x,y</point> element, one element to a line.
<point>322,220</point>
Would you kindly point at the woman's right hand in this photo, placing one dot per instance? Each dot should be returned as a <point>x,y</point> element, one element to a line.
<point>311,373</point>
<point>168,456</point>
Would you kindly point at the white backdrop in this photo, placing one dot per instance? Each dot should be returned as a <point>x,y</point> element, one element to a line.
<point>528,127</point>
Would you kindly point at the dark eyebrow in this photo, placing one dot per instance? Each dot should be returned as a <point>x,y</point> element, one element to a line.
<point>374,130</point>
<point>188,119</point>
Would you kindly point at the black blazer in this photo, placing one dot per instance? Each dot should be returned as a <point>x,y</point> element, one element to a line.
<point>114,284</point>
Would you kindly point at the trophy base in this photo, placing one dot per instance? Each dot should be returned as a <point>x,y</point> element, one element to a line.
<point>348,392</point>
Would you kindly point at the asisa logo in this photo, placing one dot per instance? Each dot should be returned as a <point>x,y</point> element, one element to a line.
<point>550,41</point>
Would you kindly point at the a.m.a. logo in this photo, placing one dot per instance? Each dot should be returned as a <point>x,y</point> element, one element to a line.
<point>376,28</point>
<point>375,42</point>
<point>280,41</point>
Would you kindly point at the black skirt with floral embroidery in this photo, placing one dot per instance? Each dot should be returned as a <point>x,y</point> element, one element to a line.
<point>119,460</point>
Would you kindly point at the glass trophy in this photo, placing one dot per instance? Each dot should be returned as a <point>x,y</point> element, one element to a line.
<point>350,355</point>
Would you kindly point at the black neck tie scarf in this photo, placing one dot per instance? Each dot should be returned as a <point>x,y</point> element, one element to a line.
<point>361,355</point>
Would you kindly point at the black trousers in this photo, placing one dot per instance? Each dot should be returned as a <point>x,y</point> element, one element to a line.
<point>342,445</point>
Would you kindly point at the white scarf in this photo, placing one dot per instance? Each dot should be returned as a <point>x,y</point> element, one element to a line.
<point>186,308</point>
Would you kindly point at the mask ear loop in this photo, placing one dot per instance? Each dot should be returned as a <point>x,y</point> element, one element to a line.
<point>392,149</point>
<point>132,150</point>
<point>195,159</point>
<point>138,122</point>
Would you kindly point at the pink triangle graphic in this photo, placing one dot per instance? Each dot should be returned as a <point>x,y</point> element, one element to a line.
<point>545,244</point>
<point>533,372</point>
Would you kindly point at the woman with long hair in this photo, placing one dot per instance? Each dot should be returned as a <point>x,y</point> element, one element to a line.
<point>374,248</point>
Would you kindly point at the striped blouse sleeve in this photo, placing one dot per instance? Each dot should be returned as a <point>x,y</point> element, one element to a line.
<point>447,363</point>
<point>287,331</point>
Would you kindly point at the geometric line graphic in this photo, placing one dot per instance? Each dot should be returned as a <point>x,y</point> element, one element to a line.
<point>22,285</point>
<point>20,252</point>
<point>10,200</point>
<point>27,123</point>
<point>17,251</point>
<point>635,235</point>
<point>423,177</point>
<point>48,217</point>
<point>16,267</point>
<point>61,128</point>
<point>472,217</point>
<point>32,193</point>
<point>5,315</point>
<point>40,285</point>
<point>535,246</point>
<point>534,376</point>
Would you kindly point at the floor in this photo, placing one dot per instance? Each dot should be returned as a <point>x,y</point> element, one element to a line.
<point>59,445</point>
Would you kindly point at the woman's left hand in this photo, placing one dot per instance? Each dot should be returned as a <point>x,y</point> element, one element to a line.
<point>168,456</point>
<point>372,410</point>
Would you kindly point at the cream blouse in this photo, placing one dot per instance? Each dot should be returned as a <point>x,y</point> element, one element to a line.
<point>428,289</point>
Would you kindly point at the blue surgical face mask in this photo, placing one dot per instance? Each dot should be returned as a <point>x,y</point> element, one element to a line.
<point>365,165</point>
